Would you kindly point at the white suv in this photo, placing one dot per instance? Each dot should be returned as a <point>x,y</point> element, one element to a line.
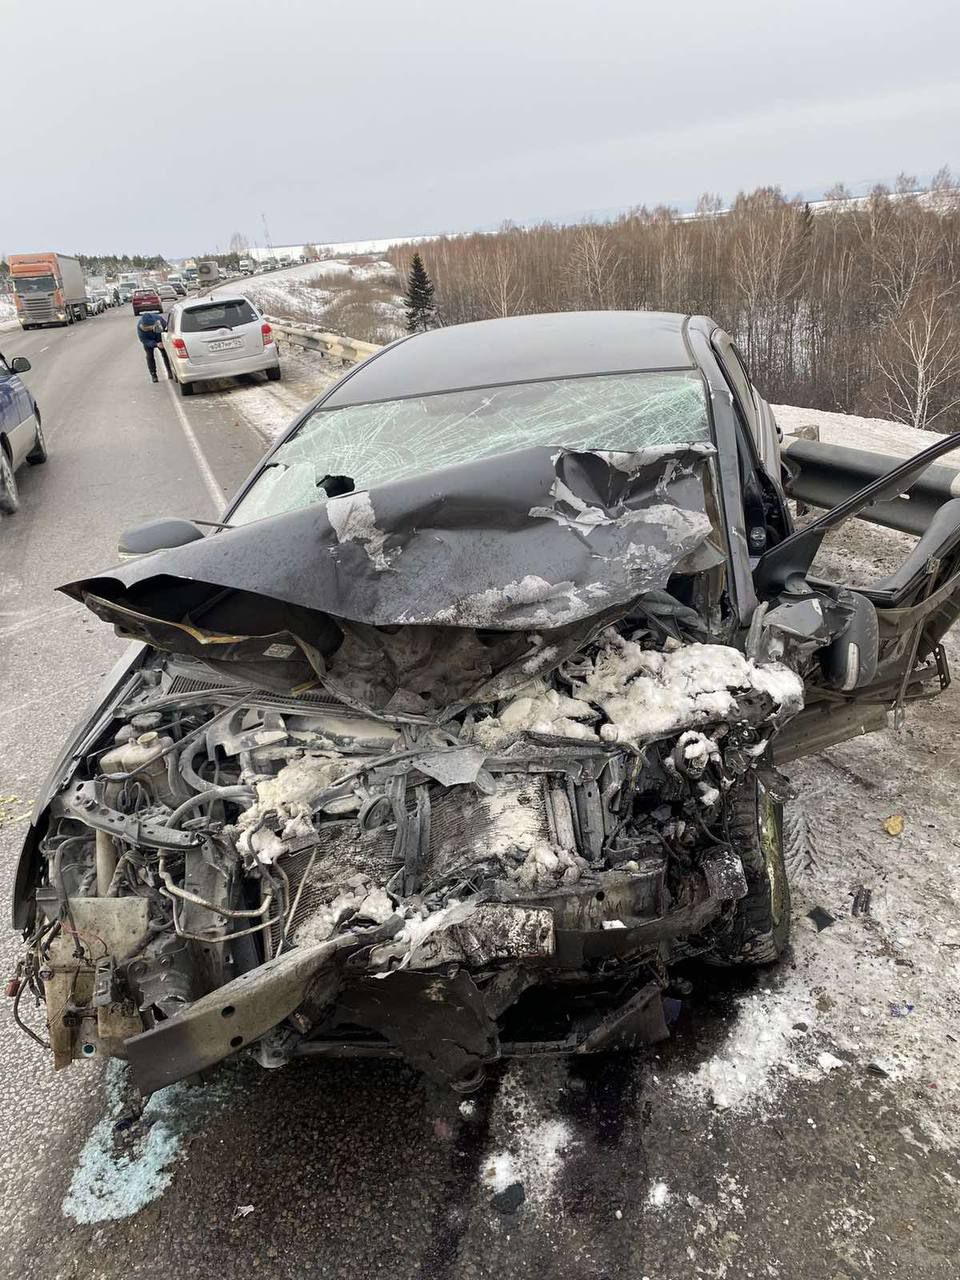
<point>219,337</point>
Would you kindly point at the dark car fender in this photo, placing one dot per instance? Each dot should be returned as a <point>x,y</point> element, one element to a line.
<point>111,691</point>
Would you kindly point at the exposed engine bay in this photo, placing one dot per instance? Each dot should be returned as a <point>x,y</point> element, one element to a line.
<point>231,868</point>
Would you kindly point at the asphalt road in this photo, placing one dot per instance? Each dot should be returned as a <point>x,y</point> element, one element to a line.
<point>620,1167</point>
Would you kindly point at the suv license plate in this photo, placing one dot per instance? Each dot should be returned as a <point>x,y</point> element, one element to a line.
<point>226,344</point>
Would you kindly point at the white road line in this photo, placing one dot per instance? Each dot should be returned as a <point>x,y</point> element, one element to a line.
<point>35,620</point>
<point>43,349</point>
<point>203,466</point>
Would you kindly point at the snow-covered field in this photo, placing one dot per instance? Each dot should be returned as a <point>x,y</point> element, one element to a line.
<point>356,297</point>
<point>338,249</point>
<point>8,314</point>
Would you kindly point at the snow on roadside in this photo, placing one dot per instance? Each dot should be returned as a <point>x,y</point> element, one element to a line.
<point>875,435</point>
<point>268,409</point>
<point>530,1143</point>
<point>766,1046</point>
<point>887,979</point>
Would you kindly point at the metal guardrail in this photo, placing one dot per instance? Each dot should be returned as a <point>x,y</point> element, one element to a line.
<point>826,474</point>
<point>331,345</point>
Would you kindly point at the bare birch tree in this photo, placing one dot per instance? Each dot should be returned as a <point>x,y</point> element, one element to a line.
<point>919,359</point>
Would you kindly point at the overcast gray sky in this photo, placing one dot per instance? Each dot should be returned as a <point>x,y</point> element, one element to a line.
<point>166,127</point>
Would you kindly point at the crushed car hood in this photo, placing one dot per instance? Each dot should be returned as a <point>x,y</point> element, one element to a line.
<point>542,538</point>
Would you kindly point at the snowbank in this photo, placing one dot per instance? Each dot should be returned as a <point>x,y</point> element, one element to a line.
<point>8,314</point>
<point>875,435</point>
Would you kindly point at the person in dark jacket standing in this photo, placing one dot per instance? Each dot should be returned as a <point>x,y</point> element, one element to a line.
<point>150,329</point>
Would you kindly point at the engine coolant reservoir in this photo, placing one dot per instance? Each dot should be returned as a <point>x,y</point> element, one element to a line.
<point>146,755</point>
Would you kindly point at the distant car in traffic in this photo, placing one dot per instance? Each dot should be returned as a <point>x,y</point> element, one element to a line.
<point>221,337</point>
<point>167,292</point>
<point>145,300</point>
<point>179,288</point>
<point>21,436</point>
<point>95,304</point>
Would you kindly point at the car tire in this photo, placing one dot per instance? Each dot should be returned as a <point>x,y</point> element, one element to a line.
<point>38,453</point>
<point>273,375</point>
<point>186,388</point>
<point>9,497</point>
<point>759,931</point>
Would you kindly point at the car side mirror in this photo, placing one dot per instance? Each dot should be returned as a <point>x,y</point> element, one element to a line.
<point>156,535</point>
<point>20,364</point>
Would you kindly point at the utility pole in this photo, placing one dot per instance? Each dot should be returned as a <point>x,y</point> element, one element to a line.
<point>266,236</point>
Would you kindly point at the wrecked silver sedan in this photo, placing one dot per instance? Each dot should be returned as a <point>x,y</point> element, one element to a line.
<point>462,729</point>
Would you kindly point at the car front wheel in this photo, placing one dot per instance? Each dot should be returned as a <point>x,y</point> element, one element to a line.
<point>9,498</point>
<point>759,930</point>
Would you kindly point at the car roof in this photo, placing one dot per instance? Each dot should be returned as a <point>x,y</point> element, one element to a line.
<point>207,298</point>
<point>191,304</point>
<point>520,349</point>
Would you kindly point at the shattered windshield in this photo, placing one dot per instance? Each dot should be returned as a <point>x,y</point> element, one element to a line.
<point>360,446</point>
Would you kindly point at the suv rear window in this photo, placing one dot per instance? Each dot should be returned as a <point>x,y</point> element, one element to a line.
<point>218,315</point>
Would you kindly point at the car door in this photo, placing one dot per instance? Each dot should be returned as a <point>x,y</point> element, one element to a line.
<point>874,648</point>
<point>16,414</point>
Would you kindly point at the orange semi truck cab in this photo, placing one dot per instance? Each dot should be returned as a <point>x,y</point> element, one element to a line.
<point>49,289</point>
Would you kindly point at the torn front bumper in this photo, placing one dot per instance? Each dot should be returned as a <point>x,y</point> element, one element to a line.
<point>447,1010</point>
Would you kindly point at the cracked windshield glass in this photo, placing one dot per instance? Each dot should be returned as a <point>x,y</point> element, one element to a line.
<point>365,445</point>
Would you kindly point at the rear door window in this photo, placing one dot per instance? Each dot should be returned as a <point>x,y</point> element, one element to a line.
<point>217,315</point>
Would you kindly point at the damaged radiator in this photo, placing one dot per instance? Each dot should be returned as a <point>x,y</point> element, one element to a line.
<point>464,832</point>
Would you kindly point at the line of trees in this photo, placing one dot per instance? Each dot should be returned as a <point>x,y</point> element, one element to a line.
<point>853,305</point>
<point>109,264</point>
